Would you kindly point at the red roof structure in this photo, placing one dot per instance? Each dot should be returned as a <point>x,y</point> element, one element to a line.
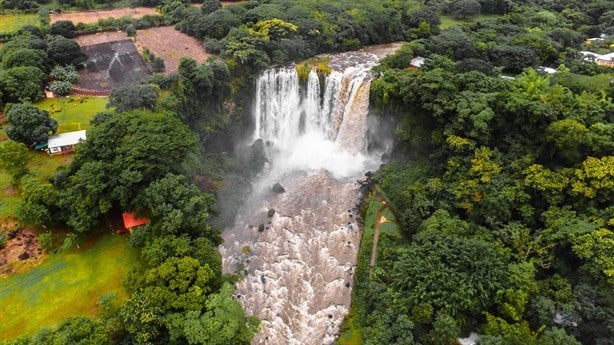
<point>130,220</point>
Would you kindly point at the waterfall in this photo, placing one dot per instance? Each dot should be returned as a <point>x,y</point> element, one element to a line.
<point>298,264</point>
<point>311,126</point>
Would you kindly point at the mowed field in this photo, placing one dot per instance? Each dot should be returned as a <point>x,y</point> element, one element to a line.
<point>66,284</point>
<point>73,113</point>
<point>88,17</point>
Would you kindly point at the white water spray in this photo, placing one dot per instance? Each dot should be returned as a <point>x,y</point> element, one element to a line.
<point>298,271</point>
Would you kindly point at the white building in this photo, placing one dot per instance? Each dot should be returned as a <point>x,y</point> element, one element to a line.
<point>417,62</point>
<point>606,60</point>
<point>65,142</point>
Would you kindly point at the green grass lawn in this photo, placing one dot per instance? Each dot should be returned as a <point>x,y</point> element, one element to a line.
<point>12,22</point>
<point>66,284</point>
<point>8,195</point>
<point>448,22</point>
<point>40,165</point>
<point>73,113</point>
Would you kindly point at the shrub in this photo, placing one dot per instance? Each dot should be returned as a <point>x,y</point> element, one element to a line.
<point>302,70</point>
<point>60,87</point>
<point>157,64</point>
<point>323,69</point>
<point>130,30</point>
<point>45,240</point>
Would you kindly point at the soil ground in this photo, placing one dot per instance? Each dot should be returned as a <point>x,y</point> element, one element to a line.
<point>101,37</point>
<point>21,246</point>
<point>88,17</point>
<point>166,42</point>
<point>171,45</point>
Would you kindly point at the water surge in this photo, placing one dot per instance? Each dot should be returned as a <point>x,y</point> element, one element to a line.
<point>297,249</point>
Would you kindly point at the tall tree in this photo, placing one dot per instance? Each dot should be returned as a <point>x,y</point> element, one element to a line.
<point>29,124</point>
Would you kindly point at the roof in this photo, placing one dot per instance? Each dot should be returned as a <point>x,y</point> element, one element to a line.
<point>606,57</point>
<point>40,146</point>
<point>65,139</point>
<point>547,70</point>
<point>130,220</point>
<point>417,61</point>
<point>587,53</point>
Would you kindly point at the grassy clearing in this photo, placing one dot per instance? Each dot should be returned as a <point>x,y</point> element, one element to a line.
<point>67,284</point>
<point>449,22</point>
<point>73,113</point>
<point>40,165</point>
<point>8,195</point>
<point>12,22</point>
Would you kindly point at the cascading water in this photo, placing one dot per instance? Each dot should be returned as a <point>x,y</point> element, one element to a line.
<point>298,263</point>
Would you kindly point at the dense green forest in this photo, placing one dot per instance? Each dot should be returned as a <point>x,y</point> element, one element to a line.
<point>503,186</point>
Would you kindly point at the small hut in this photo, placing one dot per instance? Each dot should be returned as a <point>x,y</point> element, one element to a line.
<point>131,221</point>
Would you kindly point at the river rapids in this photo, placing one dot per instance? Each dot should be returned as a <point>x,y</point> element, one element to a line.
<point>298,263</point>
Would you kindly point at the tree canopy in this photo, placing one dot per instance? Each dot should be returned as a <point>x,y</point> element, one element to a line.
<point>29,124</point>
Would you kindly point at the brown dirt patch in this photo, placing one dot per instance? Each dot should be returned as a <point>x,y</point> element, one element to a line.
<point>88,17</point>
<point>101,37</point>
<point>21,246</point>
<point>171,45</point>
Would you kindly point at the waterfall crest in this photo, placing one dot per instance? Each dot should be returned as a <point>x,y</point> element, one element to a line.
<point>298,268</point>
<point>310,126</point>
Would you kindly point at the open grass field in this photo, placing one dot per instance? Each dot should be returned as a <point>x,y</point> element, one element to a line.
<point>12,22</point>
<point>40,165</point>
<point>67,284</point>
<point>449,22</point>
<point>73,113</point>
<point>8,196</point>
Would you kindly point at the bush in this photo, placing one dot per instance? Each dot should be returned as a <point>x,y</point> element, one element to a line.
<point>64,28</point>
<point>130,30</point>
<point>45,240</point>
<point>463,9</point>
<point>64,73</point>
<point>302,70</point>
<point>323,69</point>
<point>60,87</point>
<point>2,240</point>
<point>157,64</point>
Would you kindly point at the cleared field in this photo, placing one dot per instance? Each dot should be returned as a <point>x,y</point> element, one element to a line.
<point>449,22</point>
<point>88,17</point>
<point>101,37</point>
<point>12,22</point>
<point>67,284</point>
<point>171,45</point>
<point>73,113</point>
